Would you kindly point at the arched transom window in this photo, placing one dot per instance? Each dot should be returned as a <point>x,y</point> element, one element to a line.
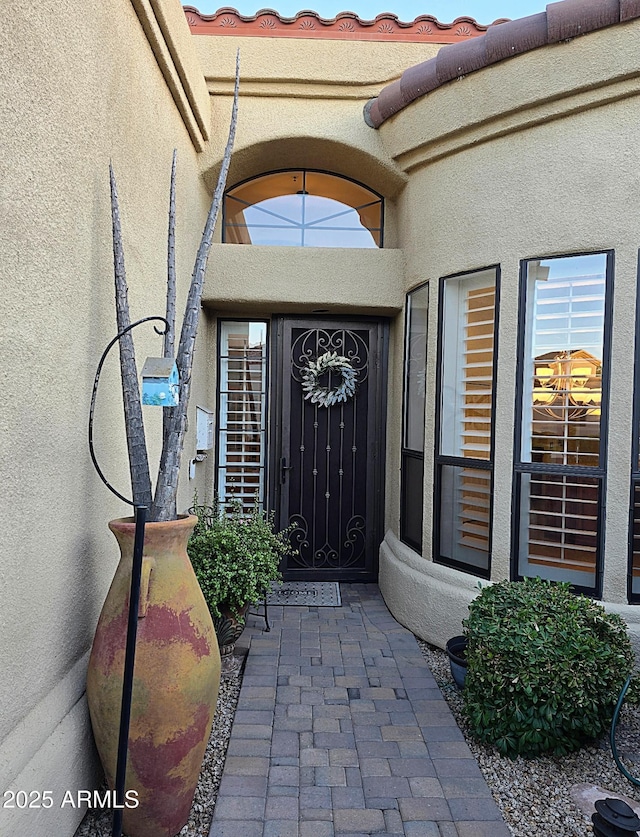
<point>303,209</point>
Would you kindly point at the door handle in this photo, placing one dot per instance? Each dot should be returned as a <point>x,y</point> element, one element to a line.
<point>283,470</point>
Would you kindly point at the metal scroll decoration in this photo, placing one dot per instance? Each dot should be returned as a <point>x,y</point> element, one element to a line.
<point>327,396</point>
<point>328,442</point>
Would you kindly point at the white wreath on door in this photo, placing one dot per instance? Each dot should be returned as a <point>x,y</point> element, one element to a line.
<point>328,396</point>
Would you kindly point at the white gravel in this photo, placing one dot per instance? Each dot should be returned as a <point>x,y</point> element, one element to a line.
<point>535,795</point>
<point>99,823</point>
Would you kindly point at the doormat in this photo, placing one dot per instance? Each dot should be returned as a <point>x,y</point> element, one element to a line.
<point>306,593</point>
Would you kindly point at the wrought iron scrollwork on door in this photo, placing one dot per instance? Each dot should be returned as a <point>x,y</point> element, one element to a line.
<point>355,541</point>
<point>328,456</point>
<point>314,342</point>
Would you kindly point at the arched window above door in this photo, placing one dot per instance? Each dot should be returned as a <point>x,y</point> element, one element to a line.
<point>301,208</point>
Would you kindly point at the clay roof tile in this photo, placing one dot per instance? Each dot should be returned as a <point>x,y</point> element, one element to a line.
<point>562,20</point>
<point>569,18</point>
<point>390,100</point>
<point>372,114</point>
<point>456,60</point>
<point>418,80</point>
<point>629,9</point>
<point>516,37</point>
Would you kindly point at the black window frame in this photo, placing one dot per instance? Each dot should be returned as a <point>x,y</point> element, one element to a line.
<point>442,460</point>
<point>634,598</point>
<point>407,454</point>
<point>590,472</point>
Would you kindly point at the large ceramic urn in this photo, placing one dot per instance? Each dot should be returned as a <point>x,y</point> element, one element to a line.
<point>176,678</point>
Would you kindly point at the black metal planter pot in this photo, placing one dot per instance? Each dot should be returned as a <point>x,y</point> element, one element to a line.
<point>456,651</point>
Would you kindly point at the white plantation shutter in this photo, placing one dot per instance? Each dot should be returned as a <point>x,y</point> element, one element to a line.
<point>242,429</point>
<point>567,321</point>
<point>561,417</point>
<point>635,539</point>
<point>477,390</point>
<point>563,522</point>
<point>466,418</point>
<point>474,506</point>
<point>477,373</point>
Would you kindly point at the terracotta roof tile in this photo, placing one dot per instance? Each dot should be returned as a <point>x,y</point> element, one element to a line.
<point>515,37</point>
<point>629,9</point>
<point>390,100</point>
<point>344,26</point>
<point>418,80</point>
<point>371,113</point>
<point>570,18</point>
<point>561,21</point>
<point>457,60</point>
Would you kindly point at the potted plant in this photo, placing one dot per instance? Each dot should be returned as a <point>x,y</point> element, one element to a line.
<point>236,555</point>
<point>177,663</point>
<point>457,652</point>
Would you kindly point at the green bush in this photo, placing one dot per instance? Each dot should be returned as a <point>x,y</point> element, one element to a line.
<point>545,667</point>
<point>235,555</point>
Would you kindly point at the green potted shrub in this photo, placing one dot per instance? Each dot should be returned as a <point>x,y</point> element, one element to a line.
<point>545,667</point>
<point>236,556</point>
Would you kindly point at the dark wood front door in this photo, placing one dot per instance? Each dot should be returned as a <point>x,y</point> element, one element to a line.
<point>328,460</point>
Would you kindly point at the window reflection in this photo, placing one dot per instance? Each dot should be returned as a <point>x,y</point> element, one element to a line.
<point>563,373</point>
<point>303,209</point>
<point>565,335</point>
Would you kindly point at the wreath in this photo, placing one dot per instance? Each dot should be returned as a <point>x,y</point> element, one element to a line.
<point>328,396</point>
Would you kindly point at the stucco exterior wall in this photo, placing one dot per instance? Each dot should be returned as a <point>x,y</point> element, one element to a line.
<point>533,157</point>
<point>552,177</point>
<point>280,279</point>
<point>81,86</point>
<point>301,106</point>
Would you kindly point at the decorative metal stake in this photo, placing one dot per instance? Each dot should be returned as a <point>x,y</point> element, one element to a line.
<point>140,513</point>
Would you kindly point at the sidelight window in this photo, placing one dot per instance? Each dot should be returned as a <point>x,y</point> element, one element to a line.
<point>634,540</point>
<point>242,403</point>
<point>464,459</point>
<point>560,452</point>
<point>412,467</point>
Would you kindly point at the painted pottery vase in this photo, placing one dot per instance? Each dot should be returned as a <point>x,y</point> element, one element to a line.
<point>176,678</point>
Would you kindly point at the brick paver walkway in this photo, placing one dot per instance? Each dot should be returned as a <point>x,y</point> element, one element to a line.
<point>341,731</point>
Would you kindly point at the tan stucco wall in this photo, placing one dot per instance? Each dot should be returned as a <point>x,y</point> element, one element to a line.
<point>536,187</point>
<point>533,157</point>
<point>302,67</point>
<point>301,106</point>
<point>279,279</point>
<point>81,86</point>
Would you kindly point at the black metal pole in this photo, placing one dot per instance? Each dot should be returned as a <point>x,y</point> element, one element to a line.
<point>129,660</point>
<point>140,513</point>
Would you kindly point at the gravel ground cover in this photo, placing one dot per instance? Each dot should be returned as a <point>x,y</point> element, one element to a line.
<point>99,823</point>
<point>535,795</point>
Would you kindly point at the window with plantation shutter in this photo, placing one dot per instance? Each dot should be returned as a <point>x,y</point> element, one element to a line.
<point>559,466</point>
<point>464,475</point>
<point>477,374</point>
<point>242,382</point>
<point>634,591</point>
